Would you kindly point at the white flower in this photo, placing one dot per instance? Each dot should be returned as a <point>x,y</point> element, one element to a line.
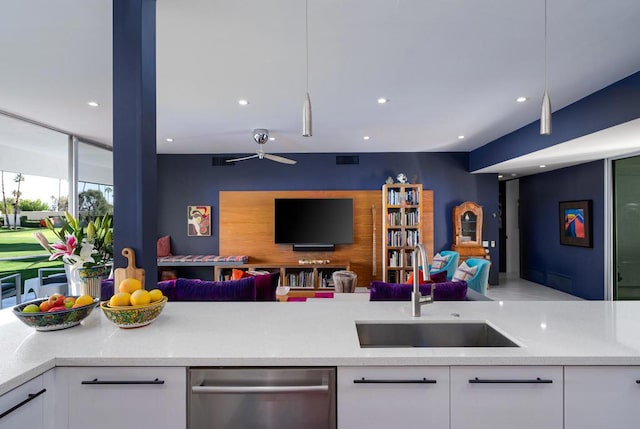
<point>78,261</point>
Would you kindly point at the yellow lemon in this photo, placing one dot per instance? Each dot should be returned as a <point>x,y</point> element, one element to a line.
<point>119,299</point>
<point>156,295</point>
<point>140,297</point>
<point>82,300</point>
<point>130,285</point>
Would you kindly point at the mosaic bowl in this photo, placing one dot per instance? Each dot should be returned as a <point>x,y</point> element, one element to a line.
<point>133,316</point>
<point>55,320</point>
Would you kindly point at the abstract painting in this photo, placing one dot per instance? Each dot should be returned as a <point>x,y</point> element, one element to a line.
<point>575,223</point>
<point>198,221</point>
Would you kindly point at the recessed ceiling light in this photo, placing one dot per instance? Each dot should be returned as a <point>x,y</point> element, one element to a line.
<point>272,138</point>
<point>521,99</point>
<point>366,138</point>
<point>93,103</point>
<point>169,140</point>
<point>460,137</point>
<point>513,174</point>
<point>243,102</point>
<point>542,165</point>
<point>500,176</point>
<point>383,100</point>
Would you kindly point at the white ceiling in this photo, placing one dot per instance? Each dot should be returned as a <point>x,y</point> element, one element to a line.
<point>448,67</point>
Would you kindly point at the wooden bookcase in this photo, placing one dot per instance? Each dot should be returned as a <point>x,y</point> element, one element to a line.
<point>402,229</point>
<point>296,276</point>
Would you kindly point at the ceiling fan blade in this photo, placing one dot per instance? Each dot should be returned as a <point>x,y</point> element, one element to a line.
<point>243,158</point>
<point>281,159</point>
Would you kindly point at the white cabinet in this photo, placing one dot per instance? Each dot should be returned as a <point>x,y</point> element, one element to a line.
<point>494,397</point>
<point>602,397</point>
<point>23,407</point>
<point>122,397</point>
<point>388,397</point>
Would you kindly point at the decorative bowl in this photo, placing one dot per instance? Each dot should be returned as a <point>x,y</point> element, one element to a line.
<point>45,321</point>
<point>133,316</point>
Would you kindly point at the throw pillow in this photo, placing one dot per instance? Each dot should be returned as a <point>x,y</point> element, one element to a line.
<point>420,276</point>
<point>439,261</point>
<point>237,274</point>
<point>164,246</point>
<point>464,272</point>
<point>266,283</point>
<point>433,278</point>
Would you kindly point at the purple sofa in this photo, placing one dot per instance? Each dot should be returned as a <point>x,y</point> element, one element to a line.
<point>445,291</point>
<point>257,288</point>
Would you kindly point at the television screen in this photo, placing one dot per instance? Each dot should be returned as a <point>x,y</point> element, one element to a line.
<point>313,220</point>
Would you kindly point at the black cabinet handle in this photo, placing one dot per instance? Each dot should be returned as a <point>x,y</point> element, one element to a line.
<point>30,397</point>
<point>373,381</point>
<point>537,380</point>
<point>637,381</point>
<point>96,381</point>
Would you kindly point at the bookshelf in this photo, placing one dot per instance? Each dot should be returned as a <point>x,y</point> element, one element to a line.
<point>402,214</point>
<point>308,277</point>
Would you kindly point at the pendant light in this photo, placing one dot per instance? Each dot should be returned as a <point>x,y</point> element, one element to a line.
<point>545,115</point>
<point>306,107</point>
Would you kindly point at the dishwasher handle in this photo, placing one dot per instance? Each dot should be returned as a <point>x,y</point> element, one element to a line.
<point>258,389</point>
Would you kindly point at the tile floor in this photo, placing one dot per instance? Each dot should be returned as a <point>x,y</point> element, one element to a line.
<point>513,288</point>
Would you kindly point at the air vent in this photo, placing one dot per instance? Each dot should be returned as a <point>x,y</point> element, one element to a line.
<point>221,161</point>
<point>347,159</point>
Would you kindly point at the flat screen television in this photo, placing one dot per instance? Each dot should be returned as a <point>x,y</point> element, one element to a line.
<point>313,221</point>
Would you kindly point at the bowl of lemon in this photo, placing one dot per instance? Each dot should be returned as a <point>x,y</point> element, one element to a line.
<point>133,306</point>
<point>55,312</point>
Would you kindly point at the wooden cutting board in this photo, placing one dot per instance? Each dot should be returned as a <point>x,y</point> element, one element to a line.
<point>130,272</point>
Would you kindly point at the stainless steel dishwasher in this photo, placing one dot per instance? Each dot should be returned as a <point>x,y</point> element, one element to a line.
<point>264,398</point>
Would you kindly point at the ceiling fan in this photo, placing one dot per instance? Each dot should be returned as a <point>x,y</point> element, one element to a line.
<point>261,136</point>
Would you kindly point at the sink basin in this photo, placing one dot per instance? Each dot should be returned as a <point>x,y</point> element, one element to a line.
<point>430,334</point>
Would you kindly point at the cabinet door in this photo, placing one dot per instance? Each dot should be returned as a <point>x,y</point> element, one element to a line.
<point>23,407</point>
<point>144,397</point>
<point>384,397</point>
<point>520,397</point>
<point>601,397</point>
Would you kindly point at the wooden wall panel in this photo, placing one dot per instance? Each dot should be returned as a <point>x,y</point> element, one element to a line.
<point>246,228</point>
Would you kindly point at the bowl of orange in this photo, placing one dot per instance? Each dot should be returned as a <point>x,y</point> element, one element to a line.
<point>134,310</point>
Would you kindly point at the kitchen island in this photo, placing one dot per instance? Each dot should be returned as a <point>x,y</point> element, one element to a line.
<point>322,332</point>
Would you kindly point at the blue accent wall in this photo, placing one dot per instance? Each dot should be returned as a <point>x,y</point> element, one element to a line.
<point>614,105</point>
<point>192,180</point>
<point>575,270</point>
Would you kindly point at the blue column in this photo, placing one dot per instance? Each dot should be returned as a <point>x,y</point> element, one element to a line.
<point>134,133</point>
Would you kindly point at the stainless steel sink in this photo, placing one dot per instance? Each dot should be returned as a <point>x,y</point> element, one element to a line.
<point>430,334</point>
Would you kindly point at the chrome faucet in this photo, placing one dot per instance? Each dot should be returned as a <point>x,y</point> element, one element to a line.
<point>416,299</point>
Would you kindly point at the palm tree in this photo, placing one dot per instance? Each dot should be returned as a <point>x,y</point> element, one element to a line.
<point>108,190</point>
<point>4,201</point>
<point>18,179</point>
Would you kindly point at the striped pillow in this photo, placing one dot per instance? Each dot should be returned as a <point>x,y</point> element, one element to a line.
<point>439,261</point>
<point>464,272</point>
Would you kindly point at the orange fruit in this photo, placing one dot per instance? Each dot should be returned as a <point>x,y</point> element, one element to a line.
<point>140,297</point>
<point>119,299</point>
<point>156,295</point>
<point>82,300</point>
<point>129,285</point>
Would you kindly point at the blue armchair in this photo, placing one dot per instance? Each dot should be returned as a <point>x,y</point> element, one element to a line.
<point>481,278</point>
<point>450,266</point>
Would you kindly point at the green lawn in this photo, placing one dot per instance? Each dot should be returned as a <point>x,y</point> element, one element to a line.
<point>21,244</point>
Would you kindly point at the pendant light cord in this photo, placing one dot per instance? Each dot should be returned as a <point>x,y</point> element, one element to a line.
<point>306,26</point>
<point>545,47</point>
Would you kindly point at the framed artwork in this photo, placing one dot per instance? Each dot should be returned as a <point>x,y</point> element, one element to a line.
<point>198,221</point>
<point>575,223</point>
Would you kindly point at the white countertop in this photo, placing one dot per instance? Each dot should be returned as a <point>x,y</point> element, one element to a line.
<point>321,332</point>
